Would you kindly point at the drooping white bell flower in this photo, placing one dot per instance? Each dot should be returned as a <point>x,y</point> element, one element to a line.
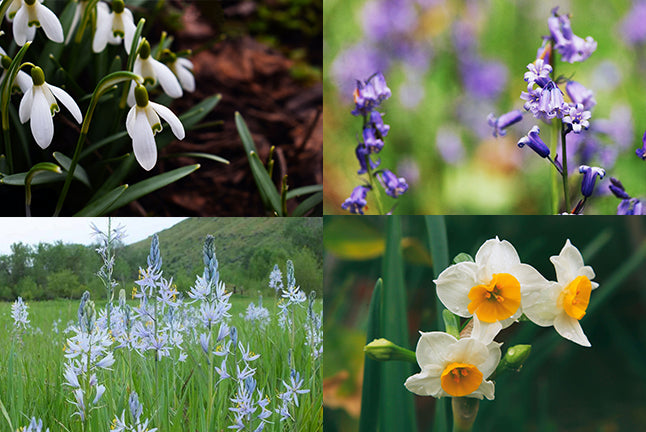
<point>182,68</point>
<point>490,287</point>
<point>33,14</point>
<point>13,8</point>
<point>456,367</point>
<point>154,71</point>
<point>143,123</point>
<point>38,105</point>
<point>563,304</point>
<point>22,79</point>
<point>113,27</point>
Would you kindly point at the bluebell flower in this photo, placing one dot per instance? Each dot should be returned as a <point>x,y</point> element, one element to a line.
<point>631,206</point>
<point>372,143</point>
<point>362,152</point>
<point>571,47</point>
<point>589,178</point>
<point>536,70</point>
<point>393,185</point>
<point>357,201</point>
<point>499,124</point>
<point>580,95</point>
<point>642,151</point>
<point>551,100</point>
<point>577,117</point>
<point>378,123</point>
<point>532,97</point>
<point>617,188</point>
<point>534,141</point>
<point>368,95</point>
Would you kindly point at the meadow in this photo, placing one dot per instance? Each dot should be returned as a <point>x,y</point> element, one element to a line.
<point>206,360</point>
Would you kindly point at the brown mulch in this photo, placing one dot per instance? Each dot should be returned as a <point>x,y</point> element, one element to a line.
<point>280,111</point>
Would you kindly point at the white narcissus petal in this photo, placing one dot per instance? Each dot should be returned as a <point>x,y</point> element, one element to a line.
<point>433,348</point>
<point>50,23</point>
<point>569,264</point>
<point>468,350</point>
<point>41,122</point>
<point>67,101</point>
<point>24,111</point>
<point>174,122</point>
<point>20,29</point>
<point>570,328</point>
<point>425,384</point>
<point>486,389</point>
<point>143,142</point>
<point>485,332</point>
<point>493,358</point>
<point>167,79</point>
<point>453,286</point>
<point>540,303</point>
<point>496,256</point>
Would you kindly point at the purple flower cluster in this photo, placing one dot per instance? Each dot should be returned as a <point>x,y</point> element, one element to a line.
<point>571,47</point>
<point>368,95</point>
<point>628,205</point>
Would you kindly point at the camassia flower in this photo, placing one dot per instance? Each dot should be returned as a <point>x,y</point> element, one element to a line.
<point>31,15</point>
<point>562,304</point>
<point>38,105</point>
<point>143,123</point>
<point>489,288</point>
<point>458,368</point>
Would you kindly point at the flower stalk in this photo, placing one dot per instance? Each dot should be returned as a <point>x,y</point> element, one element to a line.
<point>465,410</point>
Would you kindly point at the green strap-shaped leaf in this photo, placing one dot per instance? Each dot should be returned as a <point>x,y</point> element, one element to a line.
<point>147,186</point>
<point>308,204</point>
<point>99,206</point>
<point>43,178</point>
<point>397,404</point>
<point>199,155</point>
<point>196,114</point>
<point>370,392</point>
<point>263,181</point>
<point>305,190</point>
<point>79,173</point>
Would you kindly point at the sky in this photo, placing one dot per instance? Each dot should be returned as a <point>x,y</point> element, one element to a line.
<point>32,231</point>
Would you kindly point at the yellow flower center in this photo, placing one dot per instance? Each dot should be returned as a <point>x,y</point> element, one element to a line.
<point>575,297</point>
<point>460,379</point>
<point>497,300</point>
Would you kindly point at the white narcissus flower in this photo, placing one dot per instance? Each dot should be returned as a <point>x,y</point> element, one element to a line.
<point>33,14</point>
<point>456,367</point>
<point>563,303</point>
<point>22,79</point>
<point>143,123</point>
<point>153,71</point>
<point>489,288</point>
<point>113,27</point>
<point>38,105</point>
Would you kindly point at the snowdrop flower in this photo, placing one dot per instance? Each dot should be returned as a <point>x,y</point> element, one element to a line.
<point>563,304</point>
<point>39,106</point>
<point>458,368</point>
<point>143,123</point>
<point>30,15</point>
<point>489,288</point>
<point>183,70</point>
<point>152,71</point>
<point>22,79</point>
<point>113,27</point>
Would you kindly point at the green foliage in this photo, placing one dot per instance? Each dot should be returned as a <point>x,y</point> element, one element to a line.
<point>65,283</point>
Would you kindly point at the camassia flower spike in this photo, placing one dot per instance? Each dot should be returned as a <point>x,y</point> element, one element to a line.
<point>562,304</point>
<point>143,123</point>
<point>38,105</point>
<point>33,14</point>
<point>489,288</point>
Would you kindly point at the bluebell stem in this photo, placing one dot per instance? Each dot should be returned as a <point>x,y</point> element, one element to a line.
<point>589,178</point>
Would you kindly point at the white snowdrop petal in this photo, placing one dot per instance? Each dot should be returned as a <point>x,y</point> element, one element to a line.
<point>185,63</point>
<point>570,328</point>
<point>129,29</point>
<point>131,94</point>
<point>41,122</point>
<point>101,35</point>
<point>20,29</point>
<point>68,102</point>
<point>174,122</point>
<point>24,111</point>
<point>166,79</point>
<point>153,118</point>
<point>130,121</point>
<point>186,78</point>
<point>143,142</point>
<point>50,23</point>
<point>453,286</point>
<point>24,81</point>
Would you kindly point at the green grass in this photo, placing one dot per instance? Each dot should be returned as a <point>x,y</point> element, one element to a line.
<point>175,396</point>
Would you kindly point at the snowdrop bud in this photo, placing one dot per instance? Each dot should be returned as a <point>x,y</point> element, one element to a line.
<point>144,51</point>
<point>38,76</point>
<point>384,350</point>
<point>118,6</point>
<point>6,62</point>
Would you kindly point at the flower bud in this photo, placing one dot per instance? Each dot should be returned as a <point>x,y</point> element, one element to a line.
<point>384,350</point>
<point>37,76</point>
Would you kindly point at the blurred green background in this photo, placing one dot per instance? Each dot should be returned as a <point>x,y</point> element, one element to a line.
<point>434,111</point>
<point>563,386</point>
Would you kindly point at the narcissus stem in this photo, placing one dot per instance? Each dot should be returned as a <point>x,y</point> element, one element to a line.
<point>465,410</point>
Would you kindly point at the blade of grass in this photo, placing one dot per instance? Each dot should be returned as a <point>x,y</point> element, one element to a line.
<point>99,206</point>
<point>304,191</point>
<point>308,204</point>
